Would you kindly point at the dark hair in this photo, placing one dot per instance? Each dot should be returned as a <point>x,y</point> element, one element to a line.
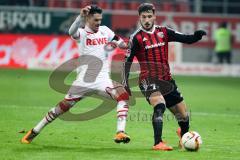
<point>146,7</point>
<point>95,9</point>
<point>223,25</point>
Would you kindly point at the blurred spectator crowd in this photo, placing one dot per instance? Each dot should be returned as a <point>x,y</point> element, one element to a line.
<point>200,6</point>
<point>163,5</point>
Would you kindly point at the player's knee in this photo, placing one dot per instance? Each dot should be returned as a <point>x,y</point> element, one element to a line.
<point>119,93</point>
<point>155,100</point>
<point>123,97</point>
<point>65,105</point>
<point>122,94</point>
<point>160,108</point>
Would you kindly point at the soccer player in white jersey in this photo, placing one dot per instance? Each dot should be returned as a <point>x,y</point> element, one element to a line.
<point>91,39</point>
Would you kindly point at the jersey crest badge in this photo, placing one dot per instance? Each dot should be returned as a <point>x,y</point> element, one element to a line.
<point>160,34</point>
<point>144,39</point>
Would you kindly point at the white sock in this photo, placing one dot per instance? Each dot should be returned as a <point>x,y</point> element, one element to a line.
<point>122,111</point>
<point>51,116</point>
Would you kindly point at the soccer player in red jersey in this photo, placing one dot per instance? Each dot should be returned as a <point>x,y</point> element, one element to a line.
<point>149,44</point>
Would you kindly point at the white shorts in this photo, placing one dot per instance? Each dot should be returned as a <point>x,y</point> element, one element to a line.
<point>80,88</point>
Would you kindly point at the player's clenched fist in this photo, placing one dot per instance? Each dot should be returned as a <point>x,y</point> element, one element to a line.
<point>200,33</point>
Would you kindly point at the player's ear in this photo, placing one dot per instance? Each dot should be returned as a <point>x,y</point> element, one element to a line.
<point>154,17</point>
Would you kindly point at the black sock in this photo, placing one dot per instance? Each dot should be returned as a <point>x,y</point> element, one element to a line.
<point>184,125</point>
<point>157,122</point>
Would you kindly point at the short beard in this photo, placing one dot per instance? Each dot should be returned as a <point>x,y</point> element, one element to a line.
<point>147,29</point>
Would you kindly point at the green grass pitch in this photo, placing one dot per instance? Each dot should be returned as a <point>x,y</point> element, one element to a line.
<point>25,97</point>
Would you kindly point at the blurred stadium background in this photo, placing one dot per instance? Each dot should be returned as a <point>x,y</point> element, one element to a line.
<point>39,28</point>
<point>34,41</point>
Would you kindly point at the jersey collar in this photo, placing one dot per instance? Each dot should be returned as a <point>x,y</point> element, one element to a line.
<point>88,30</point>
<point>150,32</point>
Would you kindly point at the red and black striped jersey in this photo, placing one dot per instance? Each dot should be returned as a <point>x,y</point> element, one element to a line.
<point>151,50</point>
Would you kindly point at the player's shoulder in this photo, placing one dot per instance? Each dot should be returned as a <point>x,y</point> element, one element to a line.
<point>161,27</point>
<point>164,29</point>
<point>135,33</point>
<point>104,28</point>
<point>81,30</point>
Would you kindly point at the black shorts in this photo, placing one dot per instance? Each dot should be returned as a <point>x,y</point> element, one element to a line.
<point>168,89</point>
<point>222,56</point>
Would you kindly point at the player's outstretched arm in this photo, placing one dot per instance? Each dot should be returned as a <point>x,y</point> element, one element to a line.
<point>133,48</point>
<point>184,38</point>
<point>125,74</point>
<point>119,42</point>
<point>79,22</point>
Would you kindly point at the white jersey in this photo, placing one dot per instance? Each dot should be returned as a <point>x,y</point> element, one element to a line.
<point>93,44</point>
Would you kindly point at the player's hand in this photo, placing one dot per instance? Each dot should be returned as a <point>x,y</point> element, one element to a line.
<point>84,11</point>
<point>200,33</point>
<point>123,45</point>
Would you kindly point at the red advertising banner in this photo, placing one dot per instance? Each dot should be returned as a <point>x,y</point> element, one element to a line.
<point>41,51</point>
<point>49,51</point>
<point>22,51</point>
<point>185,24</point>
